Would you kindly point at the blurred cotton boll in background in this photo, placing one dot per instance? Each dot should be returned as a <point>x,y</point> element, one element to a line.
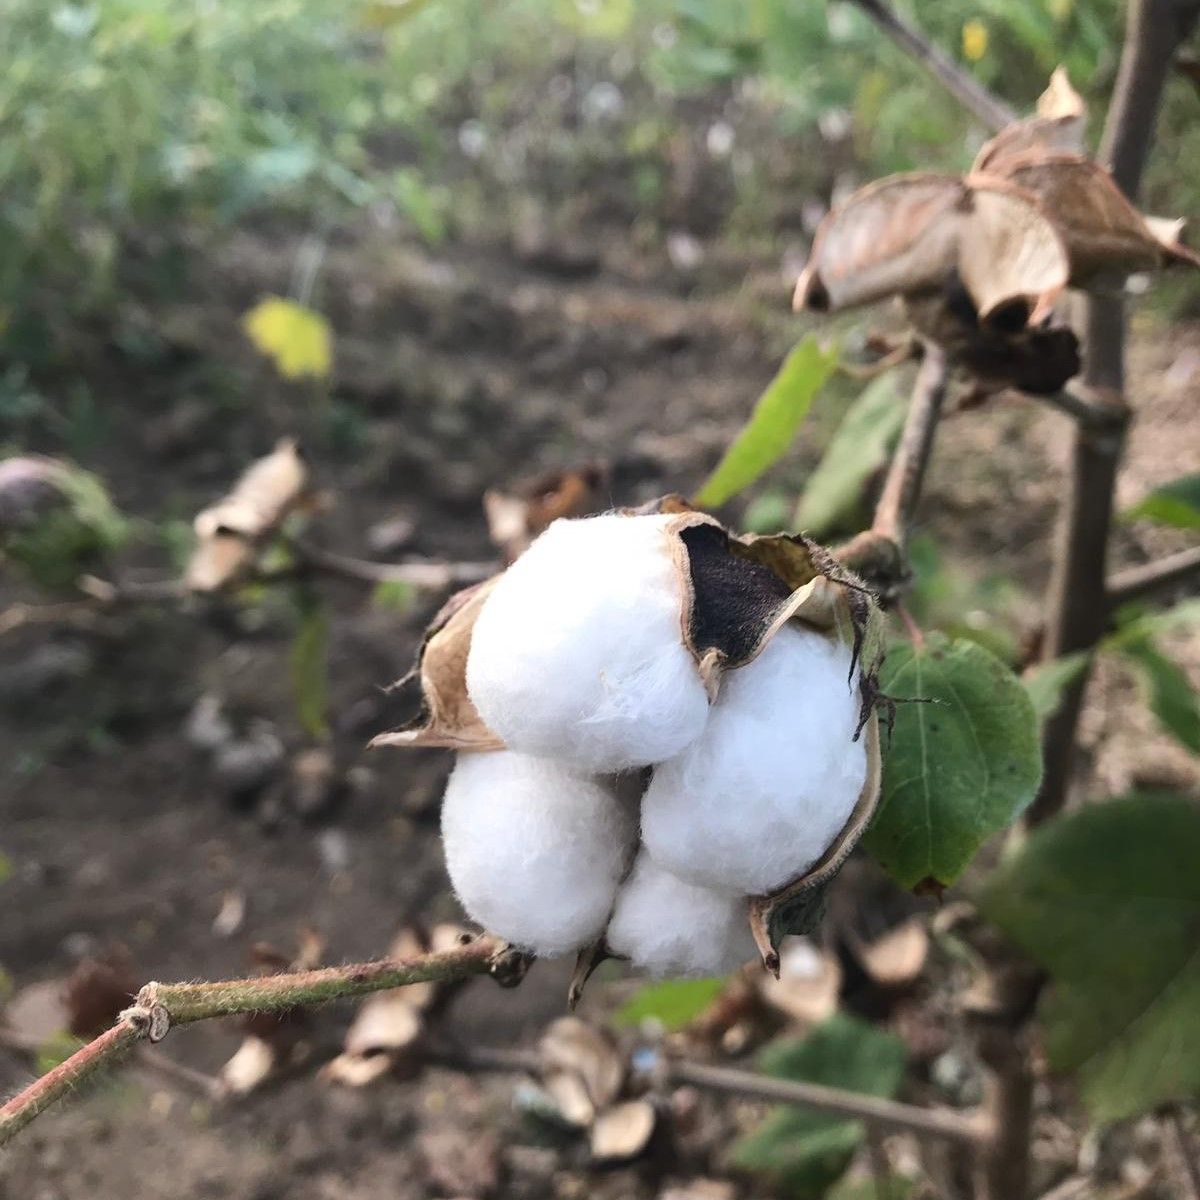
<point>667,926</point>
<point>535,852</point>
<point>578,653</point>
<point>761,796</point>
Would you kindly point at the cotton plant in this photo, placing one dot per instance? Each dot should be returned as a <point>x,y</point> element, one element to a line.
<point>666,739</point>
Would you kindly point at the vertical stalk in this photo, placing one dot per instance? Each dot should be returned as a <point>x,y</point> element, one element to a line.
<point>1077,599</point>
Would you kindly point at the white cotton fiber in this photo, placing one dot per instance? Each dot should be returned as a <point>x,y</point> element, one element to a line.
<point>578,652</point>
<point>668,927</point>
<point>761,796</point>
<point>535,852</point>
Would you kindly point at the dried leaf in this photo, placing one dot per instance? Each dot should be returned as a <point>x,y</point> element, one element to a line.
<point>36,1015</point>
<point>898,957</point>
<point>809,982</point>
<point>571,1046</point>
<point>622,1132</point>
<point>230,532</point>
<point>516,517</point>
<point>1011,259</point>
<point>1058,127</point>
<point>252,1064</point>
<point>1106,237</point>
<point>893,237</point>
<point>231,914</point>
<point>98,990</point>
<point>447,717</point>
<point>569,1095</point>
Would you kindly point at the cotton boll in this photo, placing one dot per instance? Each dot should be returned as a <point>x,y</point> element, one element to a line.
<point>761,796</point>
<point>535,852</point>
<point>578,652</point>
<point>669,927</point>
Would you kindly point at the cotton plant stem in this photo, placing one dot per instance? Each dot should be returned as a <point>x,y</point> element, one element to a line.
<point>1138,583</point>
<point>968,1128</point>
<point>1078,611</point>
<point>421,573</point>
<point>902,487</point>
<point>161,1005</point>
<point>989,110</point>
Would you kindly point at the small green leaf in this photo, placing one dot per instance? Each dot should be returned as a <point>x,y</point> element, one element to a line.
<point>1176,504</point>
<point>308,666</point>
<point>394,596</point>
<point>1047,682</point>
<point>805,1150</point>
<point>674,1003</point>
<point>1169,692</point>
<point>1107,900</point>
<point>862,444</point>
<point>779,412</point>
<point>963,761</point>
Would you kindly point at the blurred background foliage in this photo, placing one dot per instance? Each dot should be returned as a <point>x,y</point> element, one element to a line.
<point>134,131</point>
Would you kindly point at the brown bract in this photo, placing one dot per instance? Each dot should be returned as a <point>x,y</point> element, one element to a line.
<point>447,717</point>
<point>515,516</point>
<point>983,258</point>
<point>230,533</point>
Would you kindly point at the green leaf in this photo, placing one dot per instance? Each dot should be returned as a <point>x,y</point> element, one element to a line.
<point>803,1149</point>
<point>674,1003</point>
<point>1047,682</point>
<point>295,338</point>
<point>308,667</point>
<point>1169,692</point>
<point>862,444</point>
<point>1107,900</point>
<point>394,596</point>
<point>772,426</point>
<point>1176,504</point>
<point>962,764</point>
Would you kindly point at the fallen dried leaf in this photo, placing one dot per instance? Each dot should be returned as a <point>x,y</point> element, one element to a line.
<point>230,532</point>
<point>516,517</point>
<point>252,1064</point>
<point>809,983</point>
<point>623,1131</point>
<point>898,957</point>
<point>574,1047</point>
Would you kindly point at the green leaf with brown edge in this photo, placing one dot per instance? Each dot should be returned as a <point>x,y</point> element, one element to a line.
<point>1107,900</point>
<point>963,761</point>
<point>864,441</point>
<point>805,1150</point>
<point>1169,692</point>
<point>674,1003</point>
<point>1176,504</point>
<point>772,427</point>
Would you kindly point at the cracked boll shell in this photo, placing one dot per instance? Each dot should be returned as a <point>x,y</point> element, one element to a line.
<point>535,853</point>
<point>578,652</point>
<point>759,798</point>
<point>669,927</point>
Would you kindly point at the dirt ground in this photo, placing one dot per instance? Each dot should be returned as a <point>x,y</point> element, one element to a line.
<point>456,370</point>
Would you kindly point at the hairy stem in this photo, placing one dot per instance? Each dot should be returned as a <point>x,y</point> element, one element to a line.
<point>987,109</point>
<point>161,1005</point>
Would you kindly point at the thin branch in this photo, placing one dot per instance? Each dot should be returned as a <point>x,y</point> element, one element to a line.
<point>1093,412</point>
<point>161,1005</point>
<point>902,488</point>
<point>1137,582</point>
<point>987,109</point>
<point>419,573</point>
<point>971,1128</point>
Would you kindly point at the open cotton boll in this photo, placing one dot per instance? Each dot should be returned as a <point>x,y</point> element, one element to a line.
<point>761,796</point>
<point>535,852</point>
<point>668,927</point>
<point>578,652</point>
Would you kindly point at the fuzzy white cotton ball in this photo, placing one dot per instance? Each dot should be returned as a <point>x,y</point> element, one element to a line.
<point>578,652</point>
<point>535,852</point>
<point>667,926</point>
<point>758,799</point>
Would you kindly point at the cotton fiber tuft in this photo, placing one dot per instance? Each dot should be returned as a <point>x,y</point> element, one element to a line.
<point>535,852</point>
<point>668,927</point>
<point>578,652</point>
<point>761,796</point>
